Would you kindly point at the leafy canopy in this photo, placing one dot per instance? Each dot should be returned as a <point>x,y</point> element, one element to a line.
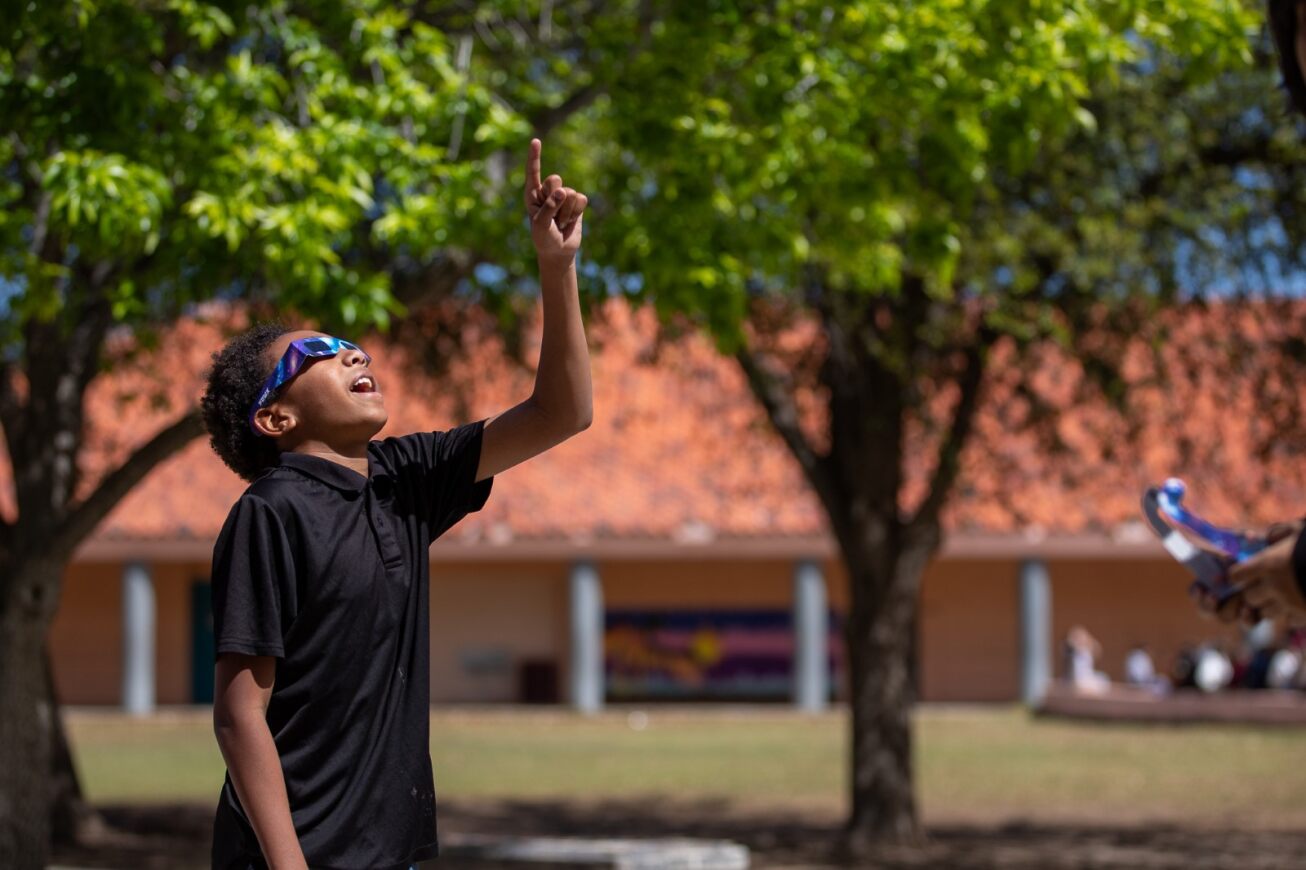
<point>757,145</point>
<point>174,149</point>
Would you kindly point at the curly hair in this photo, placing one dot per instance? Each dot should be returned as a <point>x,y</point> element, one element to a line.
<point>238,372</point>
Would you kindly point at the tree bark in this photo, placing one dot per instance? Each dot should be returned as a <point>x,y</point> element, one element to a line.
<point>72,818</point>
<point>25,730</point>
<point>870,372</point>
<point>879,638</point>
<point>39,792</point>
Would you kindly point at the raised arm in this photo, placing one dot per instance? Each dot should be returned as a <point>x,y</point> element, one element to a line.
<point>561,404</point>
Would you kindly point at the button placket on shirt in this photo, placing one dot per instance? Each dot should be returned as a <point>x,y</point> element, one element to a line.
<point>379,496</point>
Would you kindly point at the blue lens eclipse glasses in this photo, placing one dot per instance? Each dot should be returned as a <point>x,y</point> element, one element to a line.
<point>300,352</point>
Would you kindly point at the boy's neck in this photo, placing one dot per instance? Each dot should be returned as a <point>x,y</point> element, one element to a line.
<point>351,457</point>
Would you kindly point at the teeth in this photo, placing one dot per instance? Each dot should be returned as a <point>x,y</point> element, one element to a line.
<point>364,384</point>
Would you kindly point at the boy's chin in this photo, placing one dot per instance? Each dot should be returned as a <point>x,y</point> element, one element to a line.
<point>364,426</point>
<point>375,423</point>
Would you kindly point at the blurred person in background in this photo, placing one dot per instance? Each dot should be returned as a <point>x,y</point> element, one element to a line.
<point>1185,666</point>
<point>1284,667</point>
<point>1140,670</point>
<point>1213,669</point>
<point>1082,651</point>
<point>1260,643</point>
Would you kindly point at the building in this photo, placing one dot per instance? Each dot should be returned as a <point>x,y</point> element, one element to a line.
<point>678,538</point>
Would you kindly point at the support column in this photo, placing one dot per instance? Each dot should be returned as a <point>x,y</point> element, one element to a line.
<point>586,638</point>
<point>811,685</point>
<point>137,639</point>
<point>1035,631</point>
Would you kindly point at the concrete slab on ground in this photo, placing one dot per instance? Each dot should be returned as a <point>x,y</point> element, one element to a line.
<point>617,854</point>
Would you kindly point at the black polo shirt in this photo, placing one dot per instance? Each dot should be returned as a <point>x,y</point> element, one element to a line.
<point>329,572</point>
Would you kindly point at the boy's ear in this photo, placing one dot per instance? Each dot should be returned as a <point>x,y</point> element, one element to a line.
<point>274,420</point>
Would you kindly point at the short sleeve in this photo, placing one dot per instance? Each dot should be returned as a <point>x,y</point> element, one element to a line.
<point>253,582</point>
<point>442,467</point>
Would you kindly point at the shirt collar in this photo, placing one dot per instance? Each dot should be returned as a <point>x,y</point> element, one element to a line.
<point>333,474</point>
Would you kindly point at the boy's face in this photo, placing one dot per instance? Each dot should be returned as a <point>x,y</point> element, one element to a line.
<point>324,402</point>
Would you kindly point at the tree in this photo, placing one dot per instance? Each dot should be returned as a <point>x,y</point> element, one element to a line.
<point>158,154</point>
<point>923,180</point>
<point>852,162</point>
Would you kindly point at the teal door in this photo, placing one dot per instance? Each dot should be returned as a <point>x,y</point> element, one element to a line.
<point>201,651</point>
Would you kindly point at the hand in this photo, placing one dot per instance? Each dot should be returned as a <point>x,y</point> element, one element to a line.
<point>555,212</point>
<point>1268,581</point>
<point>1264,585</point>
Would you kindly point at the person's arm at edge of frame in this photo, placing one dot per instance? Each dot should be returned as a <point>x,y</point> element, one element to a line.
<point>243,687</point>
<point>1284,561</point>
<point>1270,584</point>
<point>561,404</point>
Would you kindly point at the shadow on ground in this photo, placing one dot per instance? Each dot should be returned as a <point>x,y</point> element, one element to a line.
<point>177,836</point>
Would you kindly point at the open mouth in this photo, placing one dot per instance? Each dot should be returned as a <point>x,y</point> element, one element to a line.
<point>364,383</point>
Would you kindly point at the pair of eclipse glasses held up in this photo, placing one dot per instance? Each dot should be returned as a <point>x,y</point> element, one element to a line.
<point>1205,549</point>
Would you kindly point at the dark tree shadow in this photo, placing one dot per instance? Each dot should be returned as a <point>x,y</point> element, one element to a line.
<point>162,837</point>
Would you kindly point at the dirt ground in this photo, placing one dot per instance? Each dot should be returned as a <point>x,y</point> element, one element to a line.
<point>177,836</point>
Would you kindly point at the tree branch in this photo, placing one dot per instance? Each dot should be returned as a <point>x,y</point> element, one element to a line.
<point>783,413</point>
<point>428,283</point>
<point>546,119</point>
<point>948,466</point>
<point>543,121</point>
<point>83,519</point>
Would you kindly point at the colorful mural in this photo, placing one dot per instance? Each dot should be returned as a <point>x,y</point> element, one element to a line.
<point>705,654</point>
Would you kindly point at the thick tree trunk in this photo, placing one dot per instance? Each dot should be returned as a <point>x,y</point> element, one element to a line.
<point>25,727</point>
<point>72,818</point>
<point>39,792</point>
<point>881,622</point>
<point>879,349</point>
<point>43,428</point>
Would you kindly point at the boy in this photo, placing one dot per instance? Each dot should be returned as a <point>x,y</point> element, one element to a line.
<point>321,571</point>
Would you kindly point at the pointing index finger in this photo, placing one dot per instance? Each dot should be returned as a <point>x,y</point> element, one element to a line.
<point>533,169</point>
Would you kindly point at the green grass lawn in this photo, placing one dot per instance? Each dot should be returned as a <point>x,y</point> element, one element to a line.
<point>974,764</point>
